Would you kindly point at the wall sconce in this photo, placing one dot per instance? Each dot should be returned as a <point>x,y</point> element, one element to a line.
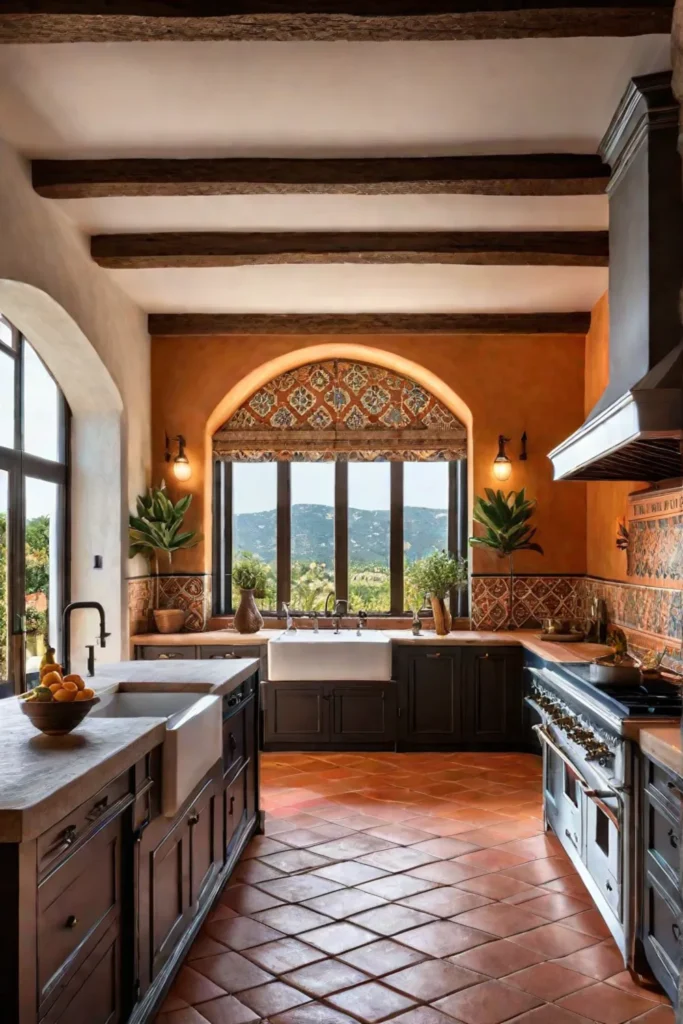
<point>182,470</point>
<point>502,467</point>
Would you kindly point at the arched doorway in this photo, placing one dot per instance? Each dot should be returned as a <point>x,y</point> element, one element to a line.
<point>97,504</point>
<point>337,474</point>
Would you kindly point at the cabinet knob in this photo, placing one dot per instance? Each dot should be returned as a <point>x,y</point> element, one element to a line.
<point>193,819</point>
<point>608,886</point>
<point>485,657</point>
<point>675,928</point>
<point>71,921</point>
<point>673,838</point>
<point>436,655</point>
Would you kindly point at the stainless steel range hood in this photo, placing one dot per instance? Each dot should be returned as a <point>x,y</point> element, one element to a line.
<point>636,429</point>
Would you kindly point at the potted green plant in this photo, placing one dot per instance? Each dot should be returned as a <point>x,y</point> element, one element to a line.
<point>436,575</point>
<point>250,574</point>
<point>157,529</point>
<point>505,518</point>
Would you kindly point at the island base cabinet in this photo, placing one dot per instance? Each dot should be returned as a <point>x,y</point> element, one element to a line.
<point>94,993</point>
<point>329,716</point>
<point>430,697</point>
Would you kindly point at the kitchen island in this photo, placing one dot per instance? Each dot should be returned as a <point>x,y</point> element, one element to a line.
<point>103,893</point>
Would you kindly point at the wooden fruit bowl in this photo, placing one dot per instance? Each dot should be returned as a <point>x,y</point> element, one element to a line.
<point>55,718</point>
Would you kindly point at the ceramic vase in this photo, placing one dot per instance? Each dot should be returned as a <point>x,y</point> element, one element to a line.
<point>248,618</point>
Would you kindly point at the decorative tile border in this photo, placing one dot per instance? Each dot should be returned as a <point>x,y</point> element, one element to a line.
<point>535,598</point>
<point>191,593</point>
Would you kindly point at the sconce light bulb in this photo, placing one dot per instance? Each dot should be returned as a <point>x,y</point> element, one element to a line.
<point>502,470</point>
<point>182,470</point>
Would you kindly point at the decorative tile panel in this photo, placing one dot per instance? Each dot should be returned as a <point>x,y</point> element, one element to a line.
<point>535,598</point>
<point>140,603</point>
<point>192,593</point>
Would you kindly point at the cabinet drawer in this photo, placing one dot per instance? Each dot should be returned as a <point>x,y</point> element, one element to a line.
<point>662,937</point>
<point>217,653</point>
<point>662,782</point>
<point>663,836</point>
<point>92,995</point>
<point>68,832</point>
<point>234,736</point>
<point>173,653</point>
<point>76,904</point>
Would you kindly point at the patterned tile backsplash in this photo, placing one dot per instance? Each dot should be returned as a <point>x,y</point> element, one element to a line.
<point>192,593</point>
<point>535,598</point>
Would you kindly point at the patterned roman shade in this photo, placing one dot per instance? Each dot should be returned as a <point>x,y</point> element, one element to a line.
<point>340,410</point>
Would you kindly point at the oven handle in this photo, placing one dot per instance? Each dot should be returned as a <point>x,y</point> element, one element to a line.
<point>593,794</point>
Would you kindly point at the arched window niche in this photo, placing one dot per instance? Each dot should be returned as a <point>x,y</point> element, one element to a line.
<point>338,474</point>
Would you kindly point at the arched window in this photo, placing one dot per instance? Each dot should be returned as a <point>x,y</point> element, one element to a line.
<point>33,510</point>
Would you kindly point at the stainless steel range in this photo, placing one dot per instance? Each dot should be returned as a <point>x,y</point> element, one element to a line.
<point>587,731</point>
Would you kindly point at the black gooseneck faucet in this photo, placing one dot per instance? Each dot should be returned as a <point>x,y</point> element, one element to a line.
<point>66,633</point>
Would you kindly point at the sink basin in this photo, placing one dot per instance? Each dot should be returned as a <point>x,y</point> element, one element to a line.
<point>193,741</point>
<point>326,656</point>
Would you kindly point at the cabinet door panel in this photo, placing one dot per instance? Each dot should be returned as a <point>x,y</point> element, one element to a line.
<point>296,713</point>
<point>431,700</point>
<point>365,713</point>
<point>494,685</point>
<point>235,809</point>
<point>203,822</point>
<point>662,937</point>
<point>93,994</point>
<point>170,893</point>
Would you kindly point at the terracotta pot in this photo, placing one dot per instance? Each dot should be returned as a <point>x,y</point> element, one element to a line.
<point>442,616</point>
<point>248,618</point>
<point>169,620</point>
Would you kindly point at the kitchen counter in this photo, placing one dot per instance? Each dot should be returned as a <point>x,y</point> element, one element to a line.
<point>42,778</point>
<point>663,744</point>
<point>214,636</point>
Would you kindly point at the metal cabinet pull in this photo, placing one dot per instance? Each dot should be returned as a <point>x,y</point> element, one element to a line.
<point>232,806</point>
<point>99,808</point>
<point>71,921</point>
<point>484,657</point>
<point>675,790</point>
<point>193,819</point>
<point>437,655</point>
<point>69,835</point>
<point>167,657</point>
<point>232,743</point>
<point>608,886</point>
<point>673,838</point>
<point>675,928</point>
<point>221,657</point>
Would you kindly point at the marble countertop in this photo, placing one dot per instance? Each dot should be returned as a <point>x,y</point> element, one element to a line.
<point>43,778</point>
<point>528,638</point>
<point>663,744</point>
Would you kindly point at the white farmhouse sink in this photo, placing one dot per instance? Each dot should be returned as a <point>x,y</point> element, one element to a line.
<point>323,656</point>
<point>193,741</point>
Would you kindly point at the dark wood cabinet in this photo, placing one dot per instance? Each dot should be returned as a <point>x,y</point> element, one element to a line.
<point>296,713</point>
<point>315,716</point>
<point>660,934</point>
<point>430,696</point>
<point>493,695</point>
<point>365,713</point>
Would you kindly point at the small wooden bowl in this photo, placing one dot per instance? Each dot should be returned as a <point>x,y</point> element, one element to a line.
<point>56,719</point>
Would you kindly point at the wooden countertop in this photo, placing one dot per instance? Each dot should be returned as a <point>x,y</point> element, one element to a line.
<point>663,744</point>
<point>228,637</point>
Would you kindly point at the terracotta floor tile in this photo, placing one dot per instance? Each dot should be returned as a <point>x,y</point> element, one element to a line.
<point>172,1002</point>
<point>438,826</point>
<point>291,919</point>
<point>495,885</point>
<point>300,838</point>
<point>324,977</point>
<point>445,847</point>
<point>402,835</point>
<point>605,1004</point>
<point>660,1015</point>
<point>350,872</point>
<point>497,959</point>
<point>344,903</point>
<point>282,956</point>
<point>489,1003</point>
<point>186,1015</point>
<point>625,982</point>
<point>538,848</point>
<point>548,981</point>
<point>232,972</point>
<point>295,860</point>
<point>273,998</point>
<point>431,980</point>
<point>356,844</point>
<point>423,1015</point>
<point>246,899</point>
<point>227,1010</point>
<point>555,940</point>
<point>371,1002</point>
<point>493,859</point>
<point>536,872</point>
<point>446,872</point>
<point>391,919</point>
<point>312,1013</point>
<point>550,1014</point>
<point>395,887</point>
<point>298,889</point>
<point>338,937</point>
<point>555,907</point>
<point>261,846</point>
<point>444,938</point>
<point>571,885</point>
<point>382,957</point>
<point>446,901</point>
<point>398,859</point>
<point>500,919</point>
<point>600,962</point>
<point>240,933</point>
<point>590,922</point>
<point>204,945</point>
<point>360,821</point>
<point>254,871</point>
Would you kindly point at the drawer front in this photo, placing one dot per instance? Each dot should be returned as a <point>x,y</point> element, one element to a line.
<point>170,653</point>
<point>235,809</point>
<point>228,652</point>
<point>58,841</point>
<point>663,837</point>
<point>663,783</point>
<point>76,904</point>
<point>662,936</point>
<point>92,995</point>
<point>234,738</point>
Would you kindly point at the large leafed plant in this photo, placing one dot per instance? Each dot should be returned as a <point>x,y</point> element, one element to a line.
<point>507,530</point>
<point>157,527</point>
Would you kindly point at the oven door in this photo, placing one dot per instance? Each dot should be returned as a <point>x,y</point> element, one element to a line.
<point>563,794</point>
<point>605,847</point>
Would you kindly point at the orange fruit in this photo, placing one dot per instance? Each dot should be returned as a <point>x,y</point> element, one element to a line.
<point>46,669</point>
<point>74,678</point>
<point>50,678</point>
<point>86,694</point>
<point>64,696</point>
<point>54,687</point>
<point>72,687</point>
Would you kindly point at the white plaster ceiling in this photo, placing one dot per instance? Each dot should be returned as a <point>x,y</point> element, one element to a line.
<point>329,99</point>
<point>349,288</point>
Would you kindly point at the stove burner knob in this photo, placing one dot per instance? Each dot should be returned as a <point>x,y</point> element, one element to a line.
<point>597,751</point>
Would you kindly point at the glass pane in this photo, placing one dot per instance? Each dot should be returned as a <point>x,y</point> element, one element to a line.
<point>7,367</point>
<point>254,521</point>
<point>4,580</point>
<point>41,409</point>
<point>425,515</point>
<point>369,496</point>
<point>42,572</point>
<point>6,334</point>
<point>312,534</point>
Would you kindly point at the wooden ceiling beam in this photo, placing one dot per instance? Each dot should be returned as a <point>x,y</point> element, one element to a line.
<point>194,324</point>
<point>238,249</point>
<point>69,21</point>
<point>537,174</point>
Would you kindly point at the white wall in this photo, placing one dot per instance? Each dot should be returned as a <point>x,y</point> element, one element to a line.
<point>95,342</point>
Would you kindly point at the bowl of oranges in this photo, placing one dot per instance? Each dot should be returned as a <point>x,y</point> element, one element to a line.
<point>59,702</point>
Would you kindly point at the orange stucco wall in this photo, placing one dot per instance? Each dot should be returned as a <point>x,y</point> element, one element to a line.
<point>508,383</point>
<point>605,502</point>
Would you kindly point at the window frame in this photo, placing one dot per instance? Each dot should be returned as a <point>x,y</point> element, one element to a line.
<point>223,539</point>
<point>19,466</point>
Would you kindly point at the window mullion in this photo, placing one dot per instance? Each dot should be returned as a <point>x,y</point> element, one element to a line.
<point>284,534</point>
<point>341,530</point>
<point>396,538</point>
<point>457,527</point>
